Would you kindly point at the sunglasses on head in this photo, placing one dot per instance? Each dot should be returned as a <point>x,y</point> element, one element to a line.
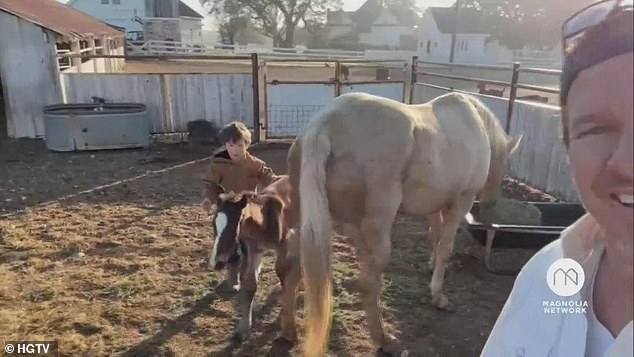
<point>591,16</point>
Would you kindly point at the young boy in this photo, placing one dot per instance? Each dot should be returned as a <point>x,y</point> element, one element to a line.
<point>234,168</point>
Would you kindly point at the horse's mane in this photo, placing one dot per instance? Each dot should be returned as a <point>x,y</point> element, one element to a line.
<point>264,211</point>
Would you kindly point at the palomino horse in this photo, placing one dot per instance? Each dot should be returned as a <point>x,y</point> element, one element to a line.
<point>248,224</point>
<point>364,159</point>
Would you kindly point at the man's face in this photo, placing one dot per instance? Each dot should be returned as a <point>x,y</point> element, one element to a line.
<point>237,149</point>
<point>600,125</point>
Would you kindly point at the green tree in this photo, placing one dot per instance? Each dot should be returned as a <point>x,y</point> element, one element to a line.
<point>516,23</point>
<point>230,26</point>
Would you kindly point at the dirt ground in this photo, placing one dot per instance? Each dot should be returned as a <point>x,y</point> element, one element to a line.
<point>121,269</point>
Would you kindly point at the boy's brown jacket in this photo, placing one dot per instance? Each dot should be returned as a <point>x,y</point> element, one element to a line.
<point>237,176</point>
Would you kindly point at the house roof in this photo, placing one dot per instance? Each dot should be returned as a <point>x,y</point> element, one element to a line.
<point>58,18</point>
<point>184,10</point>
<point>470,20</point>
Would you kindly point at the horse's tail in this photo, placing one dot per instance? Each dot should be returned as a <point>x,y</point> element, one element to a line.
<point>315,241</point>
<point>489,119</point>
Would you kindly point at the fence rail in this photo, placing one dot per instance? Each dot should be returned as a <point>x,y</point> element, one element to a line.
<point>513,83</point>
<point>154,47</point>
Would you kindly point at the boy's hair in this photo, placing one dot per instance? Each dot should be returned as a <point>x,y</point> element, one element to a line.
<point>611,38</point>
<point>235,132</point>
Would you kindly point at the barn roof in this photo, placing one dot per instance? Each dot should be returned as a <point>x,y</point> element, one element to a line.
<point>184,10</point>
<point>471,21</point>
<point>58,18</point>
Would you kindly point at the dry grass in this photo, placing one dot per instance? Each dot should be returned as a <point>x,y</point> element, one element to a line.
<point>122,270</point>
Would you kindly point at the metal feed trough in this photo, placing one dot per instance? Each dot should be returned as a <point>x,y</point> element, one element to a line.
<point>556,216</point>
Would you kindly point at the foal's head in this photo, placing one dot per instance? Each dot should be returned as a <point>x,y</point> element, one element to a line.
<point>246,214</point>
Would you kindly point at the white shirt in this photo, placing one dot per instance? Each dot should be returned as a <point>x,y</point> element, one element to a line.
<point>599,338</point>
<point>522,330</point>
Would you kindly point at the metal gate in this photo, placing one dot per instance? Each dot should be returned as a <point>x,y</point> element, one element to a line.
<point>290,104</point>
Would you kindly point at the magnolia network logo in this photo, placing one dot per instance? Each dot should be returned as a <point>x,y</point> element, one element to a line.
<point>565,277</point>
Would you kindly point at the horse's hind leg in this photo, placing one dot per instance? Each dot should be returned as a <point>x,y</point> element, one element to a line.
<point>281,268</point>
<point>289,306</point>
<point>435,222</point>
<point>452,216</point>
<point>291,277</point>
<point>373,253</point>
<point>249,285</point>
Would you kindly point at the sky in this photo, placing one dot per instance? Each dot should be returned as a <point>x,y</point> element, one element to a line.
<point>348,5</point>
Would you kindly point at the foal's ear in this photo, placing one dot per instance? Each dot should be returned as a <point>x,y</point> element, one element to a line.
<point>243,200</point>
<point>272,213</point>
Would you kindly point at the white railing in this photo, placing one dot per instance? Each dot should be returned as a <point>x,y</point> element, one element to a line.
<point>154,47</point>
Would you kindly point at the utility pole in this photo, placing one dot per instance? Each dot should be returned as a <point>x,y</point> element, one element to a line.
<point>453,32</point>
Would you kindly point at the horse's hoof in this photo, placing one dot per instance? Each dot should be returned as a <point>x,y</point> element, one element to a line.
<point>441,302</point>
<point>382,353</point>
<point>237,337</point>
<point>229,287</point>
<point>281,347</point>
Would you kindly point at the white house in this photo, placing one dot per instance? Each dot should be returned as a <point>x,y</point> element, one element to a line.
<point>372,26</point>
<point>474,43</point>
<point>434,36</point>
<point>130,15</point>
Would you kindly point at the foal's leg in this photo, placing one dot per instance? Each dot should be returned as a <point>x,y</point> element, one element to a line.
<point>249,284</point>
<point>435,222</point>
<point>233,271</point>
<point>374,254</point>
<point>281,267</point>
<point>452,216</point>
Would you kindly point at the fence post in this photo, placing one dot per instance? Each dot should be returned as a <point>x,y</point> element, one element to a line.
<point>512,96</point>
<point>337,78</point>
<point>255,84</point>
<point>413,79</point>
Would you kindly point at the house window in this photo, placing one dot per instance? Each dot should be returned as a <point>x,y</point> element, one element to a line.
<point>428,46</point>
<point>105,2</point>
<point>466,45</point>
<point>116,2</point>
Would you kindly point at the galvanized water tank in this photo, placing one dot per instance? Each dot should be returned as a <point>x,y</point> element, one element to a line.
<point>75,127</point>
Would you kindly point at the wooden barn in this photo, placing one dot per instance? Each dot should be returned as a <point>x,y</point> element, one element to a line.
<point>33,32</point>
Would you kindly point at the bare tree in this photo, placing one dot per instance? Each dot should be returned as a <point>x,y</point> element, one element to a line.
<point>275,18</point>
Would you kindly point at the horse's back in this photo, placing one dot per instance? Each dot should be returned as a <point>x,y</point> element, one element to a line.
<point>367,127</point>
<point>451,154</point>
<point>438,149</point>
